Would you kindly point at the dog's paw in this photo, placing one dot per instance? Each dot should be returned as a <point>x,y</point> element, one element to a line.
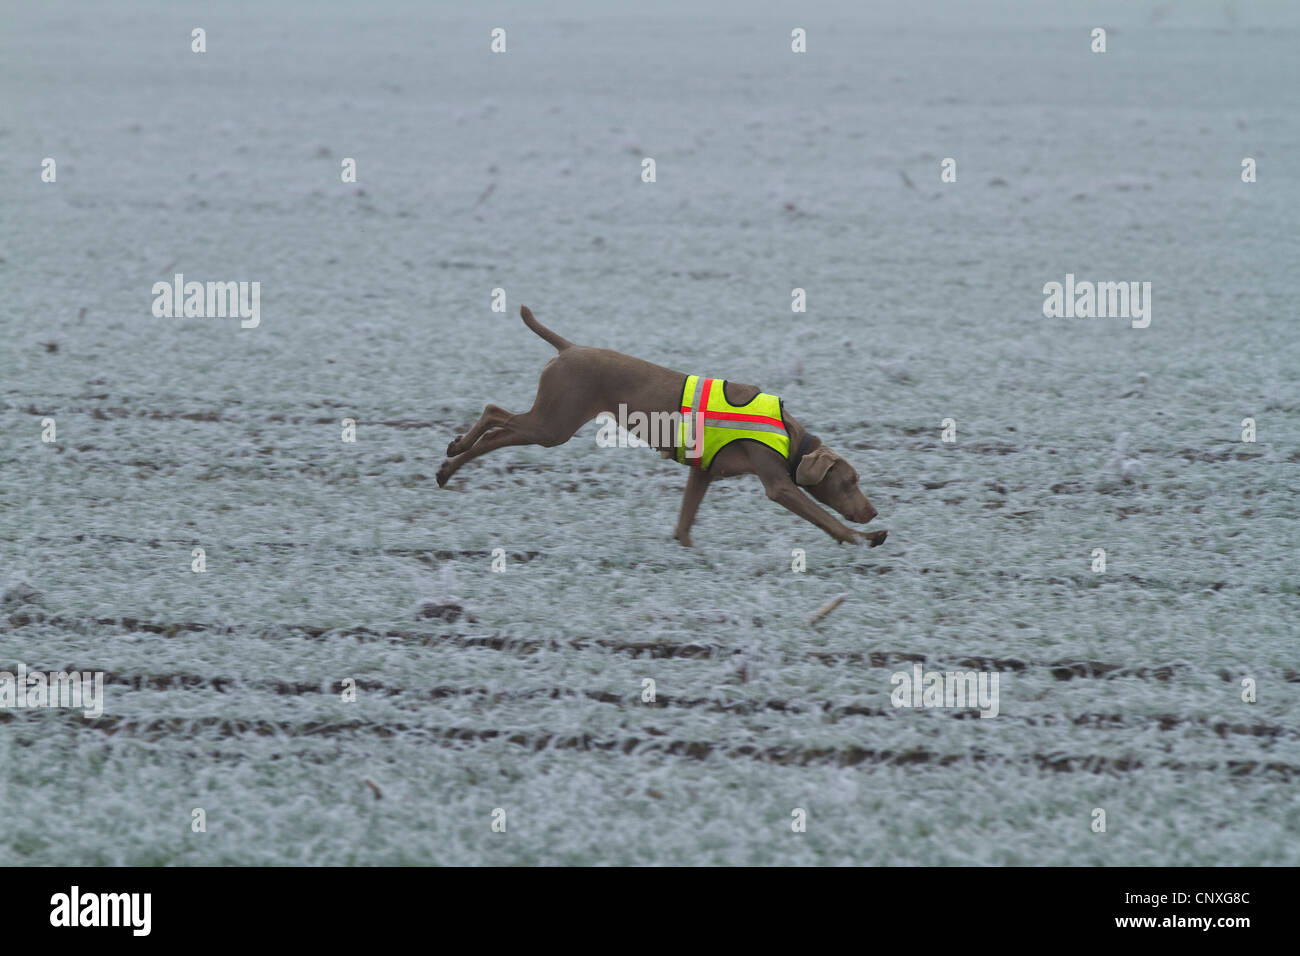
<point>443,474</point>
<point>451,446</point>
<point>877,538</point>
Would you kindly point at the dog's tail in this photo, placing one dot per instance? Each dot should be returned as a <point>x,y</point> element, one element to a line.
<point>559,341</point>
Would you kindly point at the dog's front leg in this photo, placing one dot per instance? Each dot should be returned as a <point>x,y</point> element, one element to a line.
<point>787,494</point>
<point>696,484</point>
<point>776,482</point>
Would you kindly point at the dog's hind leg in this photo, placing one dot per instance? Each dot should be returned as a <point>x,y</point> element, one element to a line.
<point>527,429</point>
<point>493,416</point>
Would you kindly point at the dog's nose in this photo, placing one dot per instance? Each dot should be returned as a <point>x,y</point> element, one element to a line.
<point>871,513</point>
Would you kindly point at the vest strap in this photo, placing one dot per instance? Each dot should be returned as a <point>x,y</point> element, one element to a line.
<point>797,458</point>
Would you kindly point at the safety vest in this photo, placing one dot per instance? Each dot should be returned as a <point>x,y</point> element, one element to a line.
<point>724,423</point>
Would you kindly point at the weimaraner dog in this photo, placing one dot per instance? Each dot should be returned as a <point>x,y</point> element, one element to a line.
<point>581,383</point>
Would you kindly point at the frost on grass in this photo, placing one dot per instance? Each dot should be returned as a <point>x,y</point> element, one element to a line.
<point>522,689</point>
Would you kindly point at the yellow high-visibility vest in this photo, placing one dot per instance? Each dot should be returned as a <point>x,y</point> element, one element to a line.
<point>724,423</point>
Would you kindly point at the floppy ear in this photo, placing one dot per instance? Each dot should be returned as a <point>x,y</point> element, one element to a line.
<point>814,466</point>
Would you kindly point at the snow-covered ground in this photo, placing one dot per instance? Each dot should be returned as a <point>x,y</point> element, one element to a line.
<point>522,690</point>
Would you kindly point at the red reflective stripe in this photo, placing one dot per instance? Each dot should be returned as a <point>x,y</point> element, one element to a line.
<point>712,415</point>
<point>704,394</point>
<point>736,417</point>
<point>741,417</point>
<point>699,437</point>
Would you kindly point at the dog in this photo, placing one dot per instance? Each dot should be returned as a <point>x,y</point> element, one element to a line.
<point>721,429</point>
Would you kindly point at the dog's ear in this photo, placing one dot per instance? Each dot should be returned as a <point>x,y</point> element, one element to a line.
<point>814,466</point>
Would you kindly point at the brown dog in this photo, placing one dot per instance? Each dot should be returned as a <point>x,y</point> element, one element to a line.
<point>580,383</point>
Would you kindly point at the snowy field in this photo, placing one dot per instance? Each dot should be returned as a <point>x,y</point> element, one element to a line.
<point>329,561</point>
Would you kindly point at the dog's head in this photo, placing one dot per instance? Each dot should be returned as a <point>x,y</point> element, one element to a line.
<point>834,482</point>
